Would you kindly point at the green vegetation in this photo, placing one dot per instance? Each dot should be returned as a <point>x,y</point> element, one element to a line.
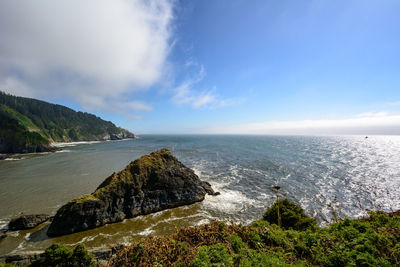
<point>143,166</point>
<point>57,255</point>
<point>3,264</point>
<point>28,125</point>
<point>85,198</point>
<point>13,114</point>
<point>214,254</point>
<point>370,241</point>
<point>15,137</point>
<point>291,215</point>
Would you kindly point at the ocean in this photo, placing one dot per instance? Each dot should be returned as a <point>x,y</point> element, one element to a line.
<point>348,175</point>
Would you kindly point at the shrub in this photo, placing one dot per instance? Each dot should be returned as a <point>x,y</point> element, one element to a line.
<point>292,216</point>
<point>369,241</point>
<point>58,255</point>
<point>214,255</point>
<point>237,243</point>
<point>262,259</point>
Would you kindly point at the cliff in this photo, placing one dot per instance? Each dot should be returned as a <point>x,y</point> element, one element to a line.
<point>149,184</point>
<point>29,125</point>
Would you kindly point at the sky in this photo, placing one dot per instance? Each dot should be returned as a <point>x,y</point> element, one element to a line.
<point>210,67</point>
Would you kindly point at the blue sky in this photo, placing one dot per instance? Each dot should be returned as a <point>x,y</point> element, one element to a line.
<point>218,66</point>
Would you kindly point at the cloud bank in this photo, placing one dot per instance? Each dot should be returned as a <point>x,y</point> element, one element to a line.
<point>366,123</point>
<point>95,52</point>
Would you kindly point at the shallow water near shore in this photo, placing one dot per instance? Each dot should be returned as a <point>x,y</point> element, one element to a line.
<point>350,172</point>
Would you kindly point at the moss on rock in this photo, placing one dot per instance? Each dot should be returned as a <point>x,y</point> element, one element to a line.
<point>85,198</point>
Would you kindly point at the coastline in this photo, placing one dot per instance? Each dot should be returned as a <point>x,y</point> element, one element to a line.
<point>20,156</point>
<point>76,143</point>
<point>57,148</point>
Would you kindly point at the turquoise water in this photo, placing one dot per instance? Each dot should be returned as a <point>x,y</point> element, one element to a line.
<point>351,173</point>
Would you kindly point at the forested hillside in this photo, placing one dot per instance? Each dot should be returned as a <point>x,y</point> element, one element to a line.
<point>30,125</point>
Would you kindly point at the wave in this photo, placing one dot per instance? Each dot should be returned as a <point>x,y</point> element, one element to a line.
<point>229,201</point>
<point>63,151</point>
<point>146,231</point>
<point>4,225</point>
<point>69,144</point>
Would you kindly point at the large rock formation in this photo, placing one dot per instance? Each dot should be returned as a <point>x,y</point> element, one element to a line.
<point>151,183</point>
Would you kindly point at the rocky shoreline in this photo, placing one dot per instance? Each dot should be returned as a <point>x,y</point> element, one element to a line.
<point>100,255</point>
<point>58,146</point>
<point>24,222</point>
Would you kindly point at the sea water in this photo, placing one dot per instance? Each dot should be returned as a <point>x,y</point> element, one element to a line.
<point>348,175</point>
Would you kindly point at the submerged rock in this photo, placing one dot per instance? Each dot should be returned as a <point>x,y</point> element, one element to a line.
<point>149,184</point>
<point>27,221</point>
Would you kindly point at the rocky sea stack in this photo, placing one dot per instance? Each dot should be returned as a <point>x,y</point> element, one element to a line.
<point>149,184</point>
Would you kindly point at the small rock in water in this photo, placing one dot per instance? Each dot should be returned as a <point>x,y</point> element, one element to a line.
<point>208,188</point>
<point>27,221</point>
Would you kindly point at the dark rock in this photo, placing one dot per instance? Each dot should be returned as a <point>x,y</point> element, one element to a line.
<point>208,188</point>
<point>21,259</point>
<point>27,221</point>
<point>149,184</point>
<point>2,236</point>
<point>124,134</point>
<point>102,253</point>
<point>9,147</point>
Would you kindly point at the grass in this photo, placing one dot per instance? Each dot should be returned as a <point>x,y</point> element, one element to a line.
<point>23,120</point>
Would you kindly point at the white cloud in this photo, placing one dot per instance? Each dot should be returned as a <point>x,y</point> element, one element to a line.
<point>204,99</point>
<point>186,94</point>
<point>92,51</point>
<point>396,103</point>
<point>369,123</point>
<point>16,86</point>
<point>372,114</point>
<point>140,106</point>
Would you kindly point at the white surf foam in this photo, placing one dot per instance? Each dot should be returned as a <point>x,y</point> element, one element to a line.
<point>27,236</point>
<point>4,224</point>
<point>63,151</point>
<point>229,201</point>
<point>146,231</point>
<point>69,144</point>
